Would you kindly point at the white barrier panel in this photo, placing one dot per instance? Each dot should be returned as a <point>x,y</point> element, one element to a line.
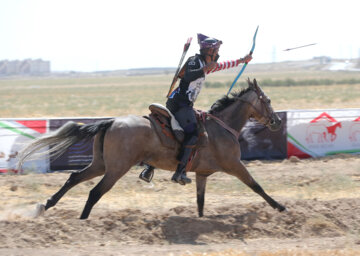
<point>315,133</point>
<point>14,134</point>
<point>310,133</point>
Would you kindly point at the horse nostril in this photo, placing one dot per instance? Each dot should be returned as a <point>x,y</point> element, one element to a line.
<point>275,124</point>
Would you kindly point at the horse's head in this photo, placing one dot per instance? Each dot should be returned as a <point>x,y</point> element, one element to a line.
<point>261,108</point>
<point>257,106</point>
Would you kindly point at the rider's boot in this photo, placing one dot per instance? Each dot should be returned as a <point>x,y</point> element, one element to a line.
<point>180,173</point>
<point>147,174</point>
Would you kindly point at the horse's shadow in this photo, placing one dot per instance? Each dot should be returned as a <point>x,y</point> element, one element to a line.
<point>187,230</point>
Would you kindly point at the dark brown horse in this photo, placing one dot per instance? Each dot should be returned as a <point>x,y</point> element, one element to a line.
<point>123,142</point>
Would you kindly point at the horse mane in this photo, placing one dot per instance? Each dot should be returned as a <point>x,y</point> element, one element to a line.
<point>226,101</point>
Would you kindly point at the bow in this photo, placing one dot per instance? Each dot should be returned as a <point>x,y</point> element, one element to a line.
<point>243,68</point>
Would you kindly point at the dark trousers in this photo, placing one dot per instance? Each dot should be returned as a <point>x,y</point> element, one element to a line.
<point>186,117</point>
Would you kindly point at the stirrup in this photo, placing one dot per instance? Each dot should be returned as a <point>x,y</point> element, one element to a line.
<point>147,174</point>
<point>181,178</point>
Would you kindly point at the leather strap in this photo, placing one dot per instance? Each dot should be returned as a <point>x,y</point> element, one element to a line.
<point>224,125</point>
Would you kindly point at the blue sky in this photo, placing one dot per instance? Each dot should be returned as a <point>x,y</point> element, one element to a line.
<point>107,35</point>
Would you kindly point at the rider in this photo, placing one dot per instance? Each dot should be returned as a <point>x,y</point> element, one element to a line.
<point>182,99</point>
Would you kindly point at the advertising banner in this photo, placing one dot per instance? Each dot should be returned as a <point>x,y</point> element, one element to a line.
<point>258,142</point>
<point>14,135</point>
<point>304,133</point>
<point>316,133</point>
<point>78,155</point>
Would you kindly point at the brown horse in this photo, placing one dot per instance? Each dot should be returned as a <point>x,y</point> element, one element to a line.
<point>123,142</point>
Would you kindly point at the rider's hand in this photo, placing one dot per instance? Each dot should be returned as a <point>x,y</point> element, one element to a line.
<point>246,59</point>
<point>210,66</point>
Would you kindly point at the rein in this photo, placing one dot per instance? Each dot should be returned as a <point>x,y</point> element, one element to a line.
<point>227,127</point>
<point>224,125</point>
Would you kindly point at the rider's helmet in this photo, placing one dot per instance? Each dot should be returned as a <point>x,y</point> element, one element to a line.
<point>206,42</point>
<point>208,45</point>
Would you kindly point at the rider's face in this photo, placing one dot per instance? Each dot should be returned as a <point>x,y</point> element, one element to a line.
<point>212,55</point>
<point>215,55</point>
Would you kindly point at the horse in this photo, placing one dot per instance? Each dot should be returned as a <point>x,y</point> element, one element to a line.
<point>126,141</point>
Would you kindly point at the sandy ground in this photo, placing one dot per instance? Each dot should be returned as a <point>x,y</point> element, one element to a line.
<point>136,218</point>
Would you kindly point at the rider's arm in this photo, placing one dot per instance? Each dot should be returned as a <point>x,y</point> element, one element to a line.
<point>225,65</point>
<point>230,64</point>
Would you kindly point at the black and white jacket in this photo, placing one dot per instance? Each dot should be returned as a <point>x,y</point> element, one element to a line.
<point>192,81</point>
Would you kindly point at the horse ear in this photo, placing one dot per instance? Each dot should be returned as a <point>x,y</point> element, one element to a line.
<point>256,85</point>
<point>251,85</point>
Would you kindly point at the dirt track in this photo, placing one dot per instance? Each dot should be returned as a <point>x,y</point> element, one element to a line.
<point>135,218</point>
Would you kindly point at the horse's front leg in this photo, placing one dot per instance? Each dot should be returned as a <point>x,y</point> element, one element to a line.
<point>200,192</point>
<point>237,169</point>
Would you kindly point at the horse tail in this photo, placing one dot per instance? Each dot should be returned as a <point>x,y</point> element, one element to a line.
<point>60,140</point>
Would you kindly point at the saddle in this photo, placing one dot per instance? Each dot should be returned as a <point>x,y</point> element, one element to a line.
<point>169,130</point>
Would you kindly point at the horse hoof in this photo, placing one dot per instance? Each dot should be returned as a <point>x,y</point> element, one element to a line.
<point>146,175</point>
<point>144,178</point>
<point>39,211</point>
<point>282,208</point>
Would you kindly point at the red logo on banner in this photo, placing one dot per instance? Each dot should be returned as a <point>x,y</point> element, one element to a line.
<point>321,129</point>
<point>37,125</point>
<point>354,130</point>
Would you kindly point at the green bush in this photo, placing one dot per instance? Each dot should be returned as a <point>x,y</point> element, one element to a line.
<point>215,84</point>
<point>292,82</point>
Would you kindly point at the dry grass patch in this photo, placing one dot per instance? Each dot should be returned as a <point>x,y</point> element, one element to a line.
<point>290,252</point>
<point>115,96</point>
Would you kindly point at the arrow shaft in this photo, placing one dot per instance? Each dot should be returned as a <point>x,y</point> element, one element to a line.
<point>289,49</point>
<point>186,48</point>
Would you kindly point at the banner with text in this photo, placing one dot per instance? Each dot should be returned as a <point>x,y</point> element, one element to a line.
<point>316,133</point>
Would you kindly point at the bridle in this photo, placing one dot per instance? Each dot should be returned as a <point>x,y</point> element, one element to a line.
<point>260,96</point>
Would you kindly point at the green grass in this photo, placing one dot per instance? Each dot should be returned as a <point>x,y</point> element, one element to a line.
<point>115,96</point>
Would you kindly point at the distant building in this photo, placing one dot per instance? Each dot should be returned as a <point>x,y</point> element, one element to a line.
<point>22,67</point>
<point>323,59</point>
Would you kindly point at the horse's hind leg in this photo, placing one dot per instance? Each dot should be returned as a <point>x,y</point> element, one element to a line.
<point>91,171</point>
<point>239,170</point>
<point>106,183</point>
<point>96,168</point>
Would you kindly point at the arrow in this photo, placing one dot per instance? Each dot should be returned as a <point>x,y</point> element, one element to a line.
<point>243,68</point>
<point>289,49</point>
<point>186,48</point>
